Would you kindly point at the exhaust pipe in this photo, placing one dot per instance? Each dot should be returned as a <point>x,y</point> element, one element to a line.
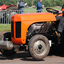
<point>7,45</point>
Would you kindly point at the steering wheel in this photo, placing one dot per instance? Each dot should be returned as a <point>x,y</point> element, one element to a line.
<point>54,11</point>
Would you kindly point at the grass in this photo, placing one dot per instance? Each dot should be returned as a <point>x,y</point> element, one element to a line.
<point>7,27</point>
<point>44,10</point>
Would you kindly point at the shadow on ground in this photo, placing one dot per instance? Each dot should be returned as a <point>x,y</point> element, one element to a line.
<point>57,51</point>
<point>25,56</point>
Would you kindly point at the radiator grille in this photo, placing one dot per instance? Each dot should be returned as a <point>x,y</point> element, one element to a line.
<point>12,29</point>
<point>18,30</point>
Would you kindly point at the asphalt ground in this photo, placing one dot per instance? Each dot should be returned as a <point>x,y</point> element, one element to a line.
<point>23,57</point>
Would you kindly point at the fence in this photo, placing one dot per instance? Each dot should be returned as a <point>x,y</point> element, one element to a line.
<point>5,16</point>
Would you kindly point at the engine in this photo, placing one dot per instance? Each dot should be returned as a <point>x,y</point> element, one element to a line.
<point>47,29</point>
<point>34,28</point>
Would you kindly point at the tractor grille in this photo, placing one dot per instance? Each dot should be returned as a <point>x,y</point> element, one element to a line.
<point>12,29</point>
<point>44,28</point>
<point>18,30</point>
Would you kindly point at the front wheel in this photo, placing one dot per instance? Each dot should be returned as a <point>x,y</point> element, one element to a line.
<point>39,47</point>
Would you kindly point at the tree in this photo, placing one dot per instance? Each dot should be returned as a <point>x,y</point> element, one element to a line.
<point>47,3</point>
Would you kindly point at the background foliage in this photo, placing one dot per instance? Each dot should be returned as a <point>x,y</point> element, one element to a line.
<point>47,3</point>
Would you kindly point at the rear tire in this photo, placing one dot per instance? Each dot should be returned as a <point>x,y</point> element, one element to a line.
<point>39,47</point>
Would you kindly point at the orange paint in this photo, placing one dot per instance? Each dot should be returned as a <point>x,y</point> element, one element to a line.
<point>28,19</point>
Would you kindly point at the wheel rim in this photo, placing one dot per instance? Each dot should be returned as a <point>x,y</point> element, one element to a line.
<point>39,48</point>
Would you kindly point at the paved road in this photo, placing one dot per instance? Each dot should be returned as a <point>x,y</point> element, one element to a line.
<point>54,57</point>
<point>25,58</point>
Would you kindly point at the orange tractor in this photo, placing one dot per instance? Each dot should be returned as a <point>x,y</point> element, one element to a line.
<point>35,32</point>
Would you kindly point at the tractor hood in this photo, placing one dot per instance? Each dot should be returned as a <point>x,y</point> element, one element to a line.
<point>36,17</point>
<point>25,21</point>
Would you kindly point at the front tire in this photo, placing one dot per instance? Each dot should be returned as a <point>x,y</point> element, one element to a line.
<point>39,47</point>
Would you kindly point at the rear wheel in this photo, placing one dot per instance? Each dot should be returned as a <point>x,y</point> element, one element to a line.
<point>39,47</point>
<point>7,52</point>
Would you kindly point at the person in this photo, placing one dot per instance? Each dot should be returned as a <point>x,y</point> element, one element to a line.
<point>39,6</point>
<point>21,6</point>
<point>61,25</point>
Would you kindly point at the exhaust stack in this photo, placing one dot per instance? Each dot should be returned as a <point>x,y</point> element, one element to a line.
<point>8,45</point>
